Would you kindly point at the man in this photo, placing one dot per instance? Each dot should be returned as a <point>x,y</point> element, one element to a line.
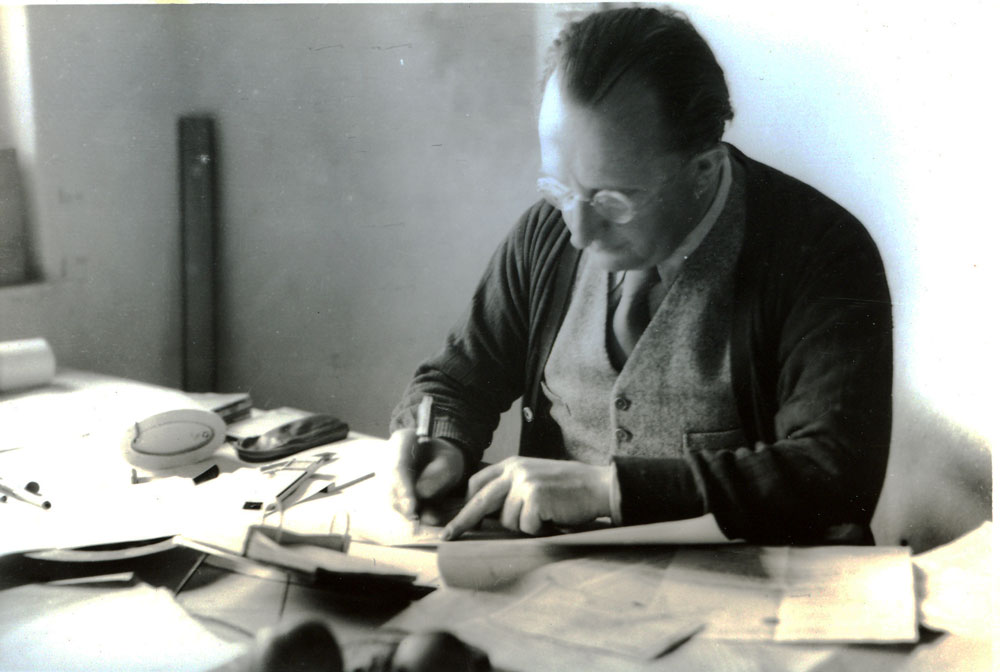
<point>691,332</point>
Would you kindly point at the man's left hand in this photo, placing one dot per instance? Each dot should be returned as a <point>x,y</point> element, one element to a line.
<point>530,492</point>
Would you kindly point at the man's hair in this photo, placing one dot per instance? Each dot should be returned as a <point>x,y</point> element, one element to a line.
<point>662,51</point>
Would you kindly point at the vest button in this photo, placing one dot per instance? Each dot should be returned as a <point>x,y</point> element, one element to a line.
<point>527,414</point>
<point>622,403</point>
<point>623,435</point>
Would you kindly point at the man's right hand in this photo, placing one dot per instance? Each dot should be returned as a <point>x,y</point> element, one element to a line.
<point>423,471</point>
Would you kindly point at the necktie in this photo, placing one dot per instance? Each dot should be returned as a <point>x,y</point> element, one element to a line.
<point>632,314</point>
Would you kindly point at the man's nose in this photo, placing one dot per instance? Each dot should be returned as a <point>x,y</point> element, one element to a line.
<point>584,223</point>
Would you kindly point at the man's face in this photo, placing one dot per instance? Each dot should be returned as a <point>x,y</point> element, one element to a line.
<point>617,145</point>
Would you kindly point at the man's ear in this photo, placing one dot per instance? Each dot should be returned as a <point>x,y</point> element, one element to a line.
<point>705,166</point>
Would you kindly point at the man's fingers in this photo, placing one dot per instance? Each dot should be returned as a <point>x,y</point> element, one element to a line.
<point>438,512</point>
<point>489,499</point>
<point>404,497</point>
<point>484,476</point>
<point>510,514</point>
<point>530,519</point>
<point>439,476</point>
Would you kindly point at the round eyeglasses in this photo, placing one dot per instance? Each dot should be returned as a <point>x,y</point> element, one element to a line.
<point>613,206</point>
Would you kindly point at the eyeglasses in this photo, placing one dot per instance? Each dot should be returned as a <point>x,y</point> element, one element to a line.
<point>613,206</point>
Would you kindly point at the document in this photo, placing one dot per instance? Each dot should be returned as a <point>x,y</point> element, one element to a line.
<point>553,618</point>
<point>956,584</point>
<point>820,594</point>
<point>583,603</point>
<point>139,628</point>
<point>490,564</point>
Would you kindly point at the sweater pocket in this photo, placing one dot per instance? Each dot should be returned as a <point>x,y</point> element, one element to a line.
<point>725,439</point>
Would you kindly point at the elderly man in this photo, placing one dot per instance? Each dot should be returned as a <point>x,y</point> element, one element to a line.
<point>691,332</point>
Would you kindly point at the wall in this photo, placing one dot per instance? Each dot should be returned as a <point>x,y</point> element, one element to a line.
<point>372,158</point>
<point>875,105</point>
<point>101,171</point>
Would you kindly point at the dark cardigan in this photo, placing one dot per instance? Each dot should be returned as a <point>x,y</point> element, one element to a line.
<point>811,370</point>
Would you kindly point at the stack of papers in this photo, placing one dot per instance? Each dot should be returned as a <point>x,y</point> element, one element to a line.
<point>619,608</point>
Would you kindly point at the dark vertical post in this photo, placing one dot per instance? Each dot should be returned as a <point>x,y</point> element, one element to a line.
<point>199,225</point>
<point>15,243</point>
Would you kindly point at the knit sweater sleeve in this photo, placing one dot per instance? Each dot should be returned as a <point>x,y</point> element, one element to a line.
<point>480,371</point>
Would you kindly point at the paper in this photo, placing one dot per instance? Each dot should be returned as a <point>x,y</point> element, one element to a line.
<point>608,612</point>
<point>420,562</point>
<point>737,590</point>
<point>139,628</point>
<point>822,594</point>
<point>848,594</point>
<point>487,565</point>
<point>308,558</point>
<point>67,437</point>
<point>956,582</point>
<point>78,404</point>
<point>82,516</point>
<point>623,574</point>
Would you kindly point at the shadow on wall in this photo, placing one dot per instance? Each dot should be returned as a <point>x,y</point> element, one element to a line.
<point>939,483</point>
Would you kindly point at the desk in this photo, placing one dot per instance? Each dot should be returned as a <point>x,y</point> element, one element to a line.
<point>233,605</point>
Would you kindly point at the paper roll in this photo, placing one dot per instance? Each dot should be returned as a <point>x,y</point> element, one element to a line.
<point>26,363</point>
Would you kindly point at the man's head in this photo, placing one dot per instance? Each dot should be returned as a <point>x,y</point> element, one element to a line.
<point>634,103</point>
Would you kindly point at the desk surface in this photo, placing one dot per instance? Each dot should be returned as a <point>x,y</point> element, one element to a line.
<point>235,605</point>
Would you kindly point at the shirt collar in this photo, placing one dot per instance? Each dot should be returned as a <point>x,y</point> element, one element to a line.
<point>669,267</point>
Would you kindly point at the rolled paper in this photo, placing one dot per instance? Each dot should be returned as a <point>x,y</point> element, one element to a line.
<point>26,363</point>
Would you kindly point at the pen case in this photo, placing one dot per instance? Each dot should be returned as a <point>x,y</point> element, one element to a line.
<point>272,435</point>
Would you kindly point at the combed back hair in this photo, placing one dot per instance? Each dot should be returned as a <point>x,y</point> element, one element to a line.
<point>661,50</point>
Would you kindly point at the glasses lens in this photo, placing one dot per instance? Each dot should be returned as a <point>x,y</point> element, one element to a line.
<point>613,206</point>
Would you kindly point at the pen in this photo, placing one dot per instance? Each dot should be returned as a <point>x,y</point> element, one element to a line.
<point>425,418</point>
<point>335,488</point>
<point>25,495</point>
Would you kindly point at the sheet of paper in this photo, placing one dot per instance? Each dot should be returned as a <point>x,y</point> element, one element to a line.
<point>848,594</point>
<point>84,516</point>
<point>737,590</point>
<point>487,565</point>
<point>77,404</point>
<point>601,604</point>
<point>823,594</point>
<point>420,562</point>
<point>956,582</point>
<point>139,628</point>
<point>570,616</point>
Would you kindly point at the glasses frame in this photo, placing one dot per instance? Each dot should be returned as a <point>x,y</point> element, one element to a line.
<point>563,198</point>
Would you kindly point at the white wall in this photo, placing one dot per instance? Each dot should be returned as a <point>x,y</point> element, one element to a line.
<point>372,158</point>
<point>882,106</point>
<point>99,156</point>
<point>886,108</point>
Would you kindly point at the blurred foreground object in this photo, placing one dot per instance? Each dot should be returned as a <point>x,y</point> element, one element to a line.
<point>310,646</point>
